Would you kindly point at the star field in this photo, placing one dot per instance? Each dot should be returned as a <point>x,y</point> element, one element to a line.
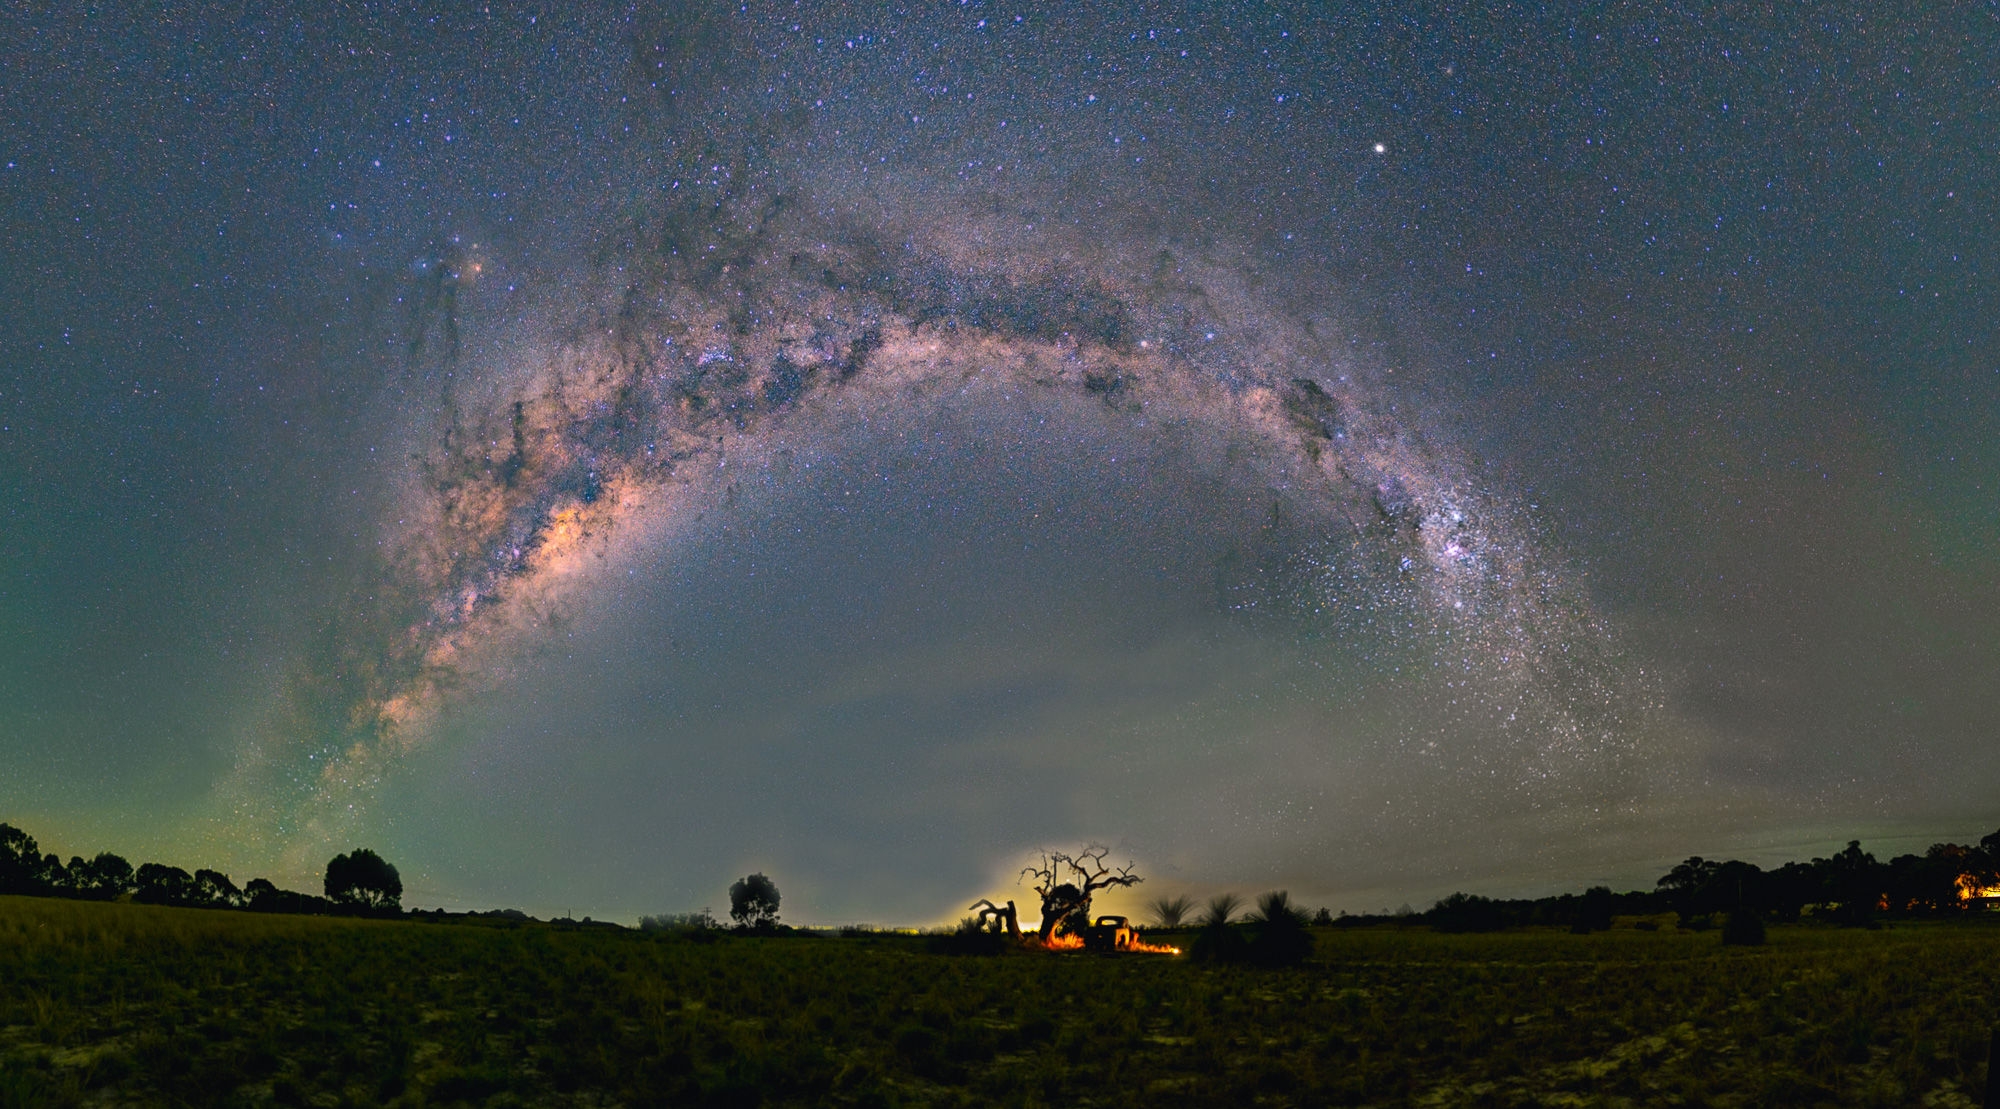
<point>587,454</point>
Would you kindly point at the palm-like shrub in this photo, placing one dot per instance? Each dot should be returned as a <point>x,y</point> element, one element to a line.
<point>1219,941</point>
<point>1281,936</point>
<point>1276,906</point>
<point>1221,909</point>
<point>1170,912</point>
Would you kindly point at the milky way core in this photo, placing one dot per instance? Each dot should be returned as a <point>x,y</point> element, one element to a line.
<point>743,313</point>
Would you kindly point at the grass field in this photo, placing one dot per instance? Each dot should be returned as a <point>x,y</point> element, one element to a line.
<point>126,1004</point>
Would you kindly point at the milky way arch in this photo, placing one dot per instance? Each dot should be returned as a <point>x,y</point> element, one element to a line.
<point>736,312</point>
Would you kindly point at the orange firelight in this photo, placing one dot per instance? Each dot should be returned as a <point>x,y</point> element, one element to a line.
<point>1075,943</point>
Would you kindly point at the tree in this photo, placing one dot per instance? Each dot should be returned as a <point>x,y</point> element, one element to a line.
<point>1066,883</point>
<point>104,878</point>
<point>1685,884</point>
<point>360,879</point>
<point>23,868</point>
<point>993,918</point>
<point>214,889</point>
<point>1593,911</point>
<point>1855,882</point>
<point>163,885</point>
<point>1467,912</point>
<point>753,902</point>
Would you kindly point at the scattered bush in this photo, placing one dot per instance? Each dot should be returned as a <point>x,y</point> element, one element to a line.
<point>967,939</point>
<point>679,922</point>
<point>1743,928</point>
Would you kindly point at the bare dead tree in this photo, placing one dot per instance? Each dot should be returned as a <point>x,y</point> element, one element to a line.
<point>991,915</point>
<point>1067,882</point>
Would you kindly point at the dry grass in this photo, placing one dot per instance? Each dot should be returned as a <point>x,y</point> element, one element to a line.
<point>120,1004</point>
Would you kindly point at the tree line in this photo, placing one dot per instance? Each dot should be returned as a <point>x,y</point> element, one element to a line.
<point>1851,887</point>
<point>358,882</point>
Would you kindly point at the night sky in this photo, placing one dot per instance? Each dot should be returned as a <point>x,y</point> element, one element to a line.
<point>588,455</point>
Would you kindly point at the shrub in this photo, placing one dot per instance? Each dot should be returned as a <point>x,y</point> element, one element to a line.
<point>1219,942</point>
<point>1281,936</point>
<point>679,922</point>
<point>966,939</point>
<point>1221,908</point>
<point>1743,927</point>
<point>1169,912</point>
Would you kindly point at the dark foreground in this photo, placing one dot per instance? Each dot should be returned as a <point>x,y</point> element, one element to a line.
<point>124,1004</point>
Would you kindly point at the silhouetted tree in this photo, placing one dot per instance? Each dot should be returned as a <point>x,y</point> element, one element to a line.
<point>1593,911</point>
<point>23,867</point>
<point>361,879</point>
<point>1467,912</point>
<point>1685,885</point>
<point>1066,883</point>
<point>1855,882</point>
<point>104,878</point>
<point>1990,844</point>
<point>214,889</point>
<point>163,885</point>
<point>753,902</point>
<point>1000,921</point>
<point>1323,918</point>
<point>1790,888</point>
<point>261,896</point>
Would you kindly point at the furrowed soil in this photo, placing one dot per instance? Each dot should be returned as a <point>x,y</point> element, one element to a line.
<point>119,1004</point>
